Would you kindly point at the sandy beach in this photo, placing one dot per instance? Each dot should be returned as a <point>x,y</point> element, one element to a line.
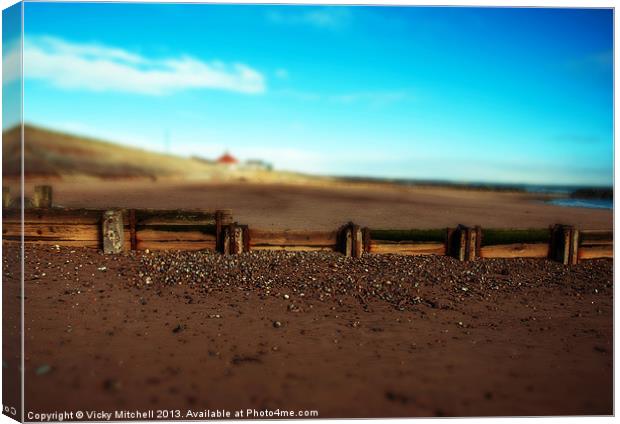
<point>375,337</point>
<point>328,205</point>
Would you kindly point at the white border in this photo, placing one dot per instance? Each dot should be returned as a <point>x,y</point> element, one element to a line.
<point>484,3</point>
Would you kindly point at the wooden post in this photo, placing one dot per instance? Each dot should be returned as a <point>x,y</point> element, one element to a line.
<point>574,247</point>
<point>564,244</point>
<point>237,246</point>
<point>133,236</point>
<point>449,241</point>
<point>351,240</point>
<point>226,239</point>
<point>348,242</point>
<point>6,197</point>
<point>463,243</point>
<point>223,217</point>
<point>246,238</point>
<point>357,243</point>
<point>112,231</point>
<point>366,239</point>
<point>478,230</point>
<point>42,196</point>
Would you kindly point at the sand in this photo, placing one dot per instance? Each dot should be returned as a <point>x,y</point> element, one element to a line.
<point>327,206</point>
<point>382,336</point>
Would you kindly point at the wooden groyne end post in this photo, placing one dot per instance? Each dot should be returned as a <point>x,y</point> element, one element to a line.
<point>223,217</point>
<point>353,240</point>
<point>6,197</point>
<point>235,239</point>
<point>564,244</point>
<point>112,231</point>
<point>463,243</point>
<point>42,198</point>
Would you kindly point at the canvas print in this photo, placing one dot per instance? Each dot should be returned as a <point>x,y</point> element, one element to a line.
<point>284,211</point>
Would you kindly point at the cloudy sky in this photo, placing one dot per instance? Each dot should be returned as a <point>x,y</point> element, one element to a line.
<point>462,94</point>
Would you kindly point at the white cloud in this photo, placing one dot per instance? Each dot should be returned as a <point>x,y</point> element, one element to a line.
<point>11,61</point>
<point>330,17</point>
<point>97,67</point>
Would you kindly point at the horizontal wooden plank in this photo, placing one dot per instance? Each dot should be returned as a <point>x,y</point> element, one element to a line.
<point>596,242</point>
<point>593,252</point>
<point>176,217</point>
<point>292,238</point>
<point>515,250</point>
<point>92,244</point>
<point>57,216</point>
<point>297,248</point>
<point>402,248</point>
<point>53,231</point>
<point>148,234</point>
<point>492,237</point>
<point>176,245</point>
<point>424,235</point>
<point>63,243</point>
<point>596,235</point>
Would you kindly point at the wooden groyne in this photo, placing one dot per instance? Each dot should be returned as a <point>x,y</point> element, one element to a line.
<point>118,230</point>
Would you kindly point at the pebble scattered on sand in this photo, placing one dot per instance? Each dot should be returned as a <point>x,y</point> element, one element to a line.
<point>401,281</point>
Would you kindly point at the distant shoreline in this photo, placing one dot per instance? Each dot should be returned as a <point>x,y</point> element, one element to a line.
<point>574,191</point>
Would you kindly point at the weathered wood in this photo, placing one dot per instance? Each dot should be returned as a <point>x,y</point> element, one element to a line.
<point>238,240</point>
<point>292,238</point>
<point>493,237</point>
<point>516,250</point>
<point>151,234</point>
<point>233,240</point>
<point>246,238</point>
<point>406,248</point>
<point>357,246</point>
<point>449,242</point>
<point>226,239</point>
<point>176,245</point>
<point>595,242</point>
<point>463,243</point>
<point>573,257</point>
<point>564,244</point>
<point>595,252</point>
<point>478,241</point>
<point>90,244</point>
<point>133,235</point>
<point>413,235</point>
<point>42,198</point>
<point>348,241</point>
<point>470,249</point>
<point>112,231</point>
<point>588,236</point>
<point>53,231</point>
<point>56,216</point>
<point>294,248</point>
<point>174,217</point>
<point>366,239</point>
<point>222,217</point>
<point>6,197</point>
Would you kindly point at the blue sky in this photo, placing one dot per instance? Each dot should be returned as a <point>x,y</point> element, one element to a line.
<point>461,94</point>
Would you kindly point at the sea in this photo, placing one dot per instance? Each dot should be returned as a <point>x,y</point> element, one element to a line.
<point>569,202</point>
<point>563,192</point>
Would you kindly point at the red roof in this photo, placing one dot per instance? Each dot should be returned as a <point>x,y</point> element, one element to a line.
<point>227,158</point>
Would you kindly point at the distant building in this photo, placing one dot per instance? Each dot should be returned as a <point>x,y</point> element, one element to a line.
<point>227,159</point>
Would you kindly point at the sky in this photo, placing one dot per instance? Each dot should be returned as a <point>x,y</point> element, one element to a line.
<point>459,94</point>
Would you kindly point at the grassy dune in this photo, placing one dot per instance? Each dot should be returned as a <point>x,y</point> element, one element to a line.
<point>52,154</point>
